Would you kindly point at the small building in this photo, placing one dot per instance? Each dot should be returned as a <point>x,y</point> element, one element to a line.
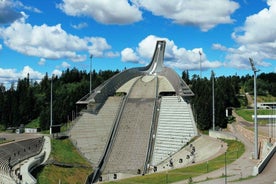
<point>266,105</point>
<point>32,130</point>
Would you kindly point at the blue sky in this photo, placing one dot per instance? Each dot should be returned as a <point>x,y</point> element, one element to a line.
<point>49,36</point>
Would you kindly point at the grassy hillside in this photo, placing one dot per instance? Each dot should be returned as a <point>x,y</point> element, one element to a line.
<point>66,165</point>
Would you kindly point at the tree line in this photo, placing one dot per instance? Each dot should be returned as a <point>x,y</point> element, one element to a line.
<point>229,93</point>
<point>29,100</point>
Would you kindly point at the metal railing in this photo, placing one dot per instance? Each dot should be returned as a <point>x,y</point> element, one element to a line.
<point>152,128</point>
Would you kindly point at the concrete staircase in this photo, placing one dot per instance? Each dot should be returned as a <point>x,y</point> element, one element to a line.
<point>175,128</point>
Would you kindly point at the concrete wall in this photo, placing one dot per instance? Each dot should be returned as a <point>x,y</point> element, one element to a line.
<point>261,139</point>
<point>249,134</point>
<point>221,135</point>
<point>260,167</point>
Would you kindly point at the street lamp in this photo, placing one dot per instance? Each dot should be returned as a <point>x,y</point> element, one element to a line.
<point>255,110</point>
<point>51,106</point>
<point>200,62</point>
<point>213,98</point>
<point>90,86</point>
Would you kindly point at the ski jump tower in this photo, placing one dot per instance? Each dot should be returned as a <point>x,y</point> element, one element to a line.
<point>154,119</point>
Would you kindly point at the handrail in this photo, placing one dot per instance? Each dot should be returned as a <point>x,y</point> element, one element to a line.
<point>152,128</point>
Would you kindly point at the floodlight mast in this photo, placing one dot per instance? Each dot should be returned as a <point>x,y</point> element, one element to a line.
<point>255,110</point>
<point>90,82</point>
<point>200,54</point>
<point>51,106</point>
<point>213,98</point>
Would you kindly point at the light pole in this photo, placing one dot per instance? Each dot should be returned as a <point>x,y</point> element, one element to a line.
<point>200,62</point>
<point>225,168</point>
<point>90,83</point>
<point>51,106</point>
<point>213,98</point>
<point>255,110</point>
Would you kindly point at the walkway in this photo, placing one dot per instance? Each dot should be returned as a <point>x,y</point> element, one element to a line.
<point>30,162</point>
<point>241,168</point>
<point>267,176</point>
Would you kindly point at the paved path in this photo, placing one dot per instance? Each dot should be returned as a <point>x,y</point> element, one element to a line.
<point>26,164</point>
<point>267,176</point>
<point>241,168</point>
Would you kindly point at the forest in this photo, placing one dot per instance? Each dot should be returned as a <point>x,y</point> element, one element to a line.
<point>28,100</point>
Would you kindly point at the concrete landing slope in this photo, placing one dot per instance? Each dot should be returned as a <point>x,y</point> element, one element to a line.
<point>127,86</point>
<point>129,150</point>
<point>91,131</point>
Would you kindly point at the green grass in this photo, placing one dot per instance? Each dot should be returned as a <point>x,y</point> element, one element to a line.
<point>247,113</point>
<point>267,98</point>
<point>234,151</point>
<point>54,174</point>
<point>205,132</point>
<point>33,124</point>
<point>242,179</point>
<point>63,151</point>
<point>2,128</point>
<point>5,141</point>
<point>66,126</point>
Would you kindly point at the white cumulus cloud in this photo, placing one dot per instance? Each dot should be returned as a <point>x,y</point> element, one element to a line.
<point>103,11</point>
<point>51,42</point>
<point>9,75</point>
<point>128,55</point>
<point>80,25</point>
<point>98,46</point>
<point>65,65</point>
<point>42,61</point>
<point>56,72</point>
<point>32,73</point>
<point>205,14</point>
<point>255,39</point>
